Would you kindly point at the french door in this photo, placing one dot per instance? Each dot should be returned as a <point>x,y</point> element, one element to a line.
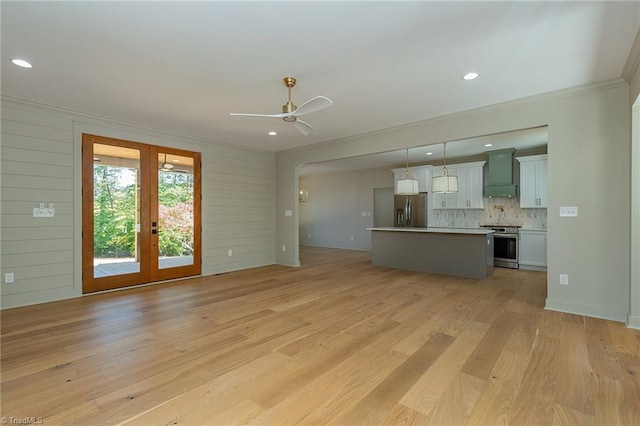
<point>140,213</point>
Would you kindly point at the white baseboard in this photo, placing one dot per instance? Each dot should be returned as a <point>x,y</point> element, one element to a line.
<point>533,268</point>
<point>633,322</point>
<point>587,310</point>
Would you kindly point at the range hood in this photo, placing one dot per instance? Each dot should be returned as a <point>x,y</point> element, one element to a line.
<point>500,177</point>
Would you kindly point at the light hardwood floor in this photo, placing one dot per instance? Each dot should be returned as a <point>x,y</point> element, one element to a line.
<point>336,341</point>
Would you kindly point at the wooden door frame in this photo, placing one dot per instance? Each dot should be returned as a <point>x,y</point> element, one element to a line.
<point>195,268</point>
<point>149,271</point>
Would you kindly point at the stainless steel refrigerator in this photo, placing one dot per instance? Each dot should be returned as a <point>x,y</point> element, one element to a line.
<point>410,211</point>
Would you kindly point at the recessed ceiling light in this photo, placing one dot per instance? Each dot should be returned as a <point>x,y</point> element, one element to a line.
<point>487,145</point>
<point>470,76</point>
<point>429,153</point>
<point>176,161</point>
<point>22,63</point>
<point>272,133</point>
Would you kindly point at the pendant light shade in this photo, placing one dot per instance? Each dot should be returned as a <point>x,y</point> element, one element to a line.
<point>408,184</point>
<point>444,183</point>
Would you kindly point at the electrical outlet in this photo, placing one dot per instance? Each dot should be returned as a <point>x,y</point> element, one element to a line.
<point>284,248</point>
<point>352,238</point>
<point>9,278</point>
<point>564,279</point>
<point>229,252</point>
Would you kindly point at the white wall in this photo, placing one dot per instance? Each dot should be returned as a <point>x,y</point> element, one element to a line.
<point>589,148</point>
<point>333,212</point>
<point>40,159</point>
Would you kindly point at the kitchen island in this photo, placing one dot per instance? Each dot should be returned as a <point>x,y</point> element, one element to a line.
<point>449,251</point>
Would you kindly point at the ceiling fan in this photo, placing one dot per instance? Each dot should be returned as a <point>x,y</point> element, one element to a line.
<point>290,112</point>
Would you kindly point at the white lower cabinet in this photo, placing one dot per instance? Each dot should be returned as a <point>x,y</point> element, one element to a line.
<point>533,249</point>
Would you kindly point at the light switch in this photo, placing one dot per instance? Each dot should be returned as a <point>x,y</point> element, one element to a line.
<point>288,213</point>
<point>44,210</point>
<point>568,211</point>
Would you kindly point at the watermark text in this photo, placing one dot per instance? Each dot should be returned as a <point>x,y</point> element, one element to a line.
<point>21,420</point>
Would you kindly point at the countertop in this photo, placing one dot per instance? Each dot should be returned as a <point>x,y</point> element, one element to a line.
<point>468,231</point>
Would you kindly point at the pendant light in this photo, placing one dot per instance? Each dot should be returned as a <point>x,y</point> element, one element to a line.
<point>408,184</point>
<point>166,166</point>
<point>444,183</point>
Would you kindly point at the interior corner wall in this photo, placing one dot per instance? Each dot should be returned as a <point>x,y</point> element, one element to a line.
<point>589,148</point>
<point>634,297</point>
<point>633,319</point>
<point>339,208</point>
<point>41,162</point>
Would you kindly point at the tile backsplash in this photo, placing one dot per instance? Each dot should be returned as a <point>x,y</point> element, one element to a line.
<point>497,211</point>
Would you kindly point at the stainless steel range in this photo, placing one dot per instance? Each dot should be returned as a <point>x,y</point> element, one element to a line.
<point>505,245</point>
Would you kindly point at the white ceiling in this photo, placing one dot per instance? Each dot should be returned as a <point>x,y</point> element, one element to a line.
<point>183,66</point>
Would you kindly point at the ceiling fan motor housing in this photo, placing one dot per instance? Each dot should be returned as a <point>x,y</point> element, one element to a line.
<point>288,108</point>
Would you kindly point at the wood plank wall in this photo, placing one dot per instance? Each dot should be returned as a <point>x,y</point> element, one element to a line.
<point>38,154</point>
<point>37,160</point>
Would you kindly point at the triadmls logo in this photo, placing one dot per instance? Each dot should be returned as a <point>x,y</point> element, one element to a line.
<point>22,420</point>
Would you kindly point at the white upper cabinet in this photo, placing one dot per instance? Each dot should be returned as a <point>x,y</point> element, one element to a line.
<point>470,185</point>
<point>424,179</point>
<point>533,181</point>
<point>447,200</point>
<point>470,180</point>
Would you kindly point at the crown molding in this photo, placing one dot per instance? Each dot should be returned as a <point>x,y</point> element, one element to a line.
<point>542,97</point>
<point>633,60</point>
<point>89,118</point>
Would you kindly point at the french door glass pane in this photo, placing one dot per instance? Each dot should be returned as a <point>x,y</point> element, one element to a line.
<point>116,210</point>
<point>175,210</point>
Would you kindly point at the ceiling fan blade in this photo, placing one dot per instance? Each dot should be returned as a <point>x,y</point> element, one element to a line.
<point>312,105</point>
<point>282,115</point>
<point>304,127</point>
